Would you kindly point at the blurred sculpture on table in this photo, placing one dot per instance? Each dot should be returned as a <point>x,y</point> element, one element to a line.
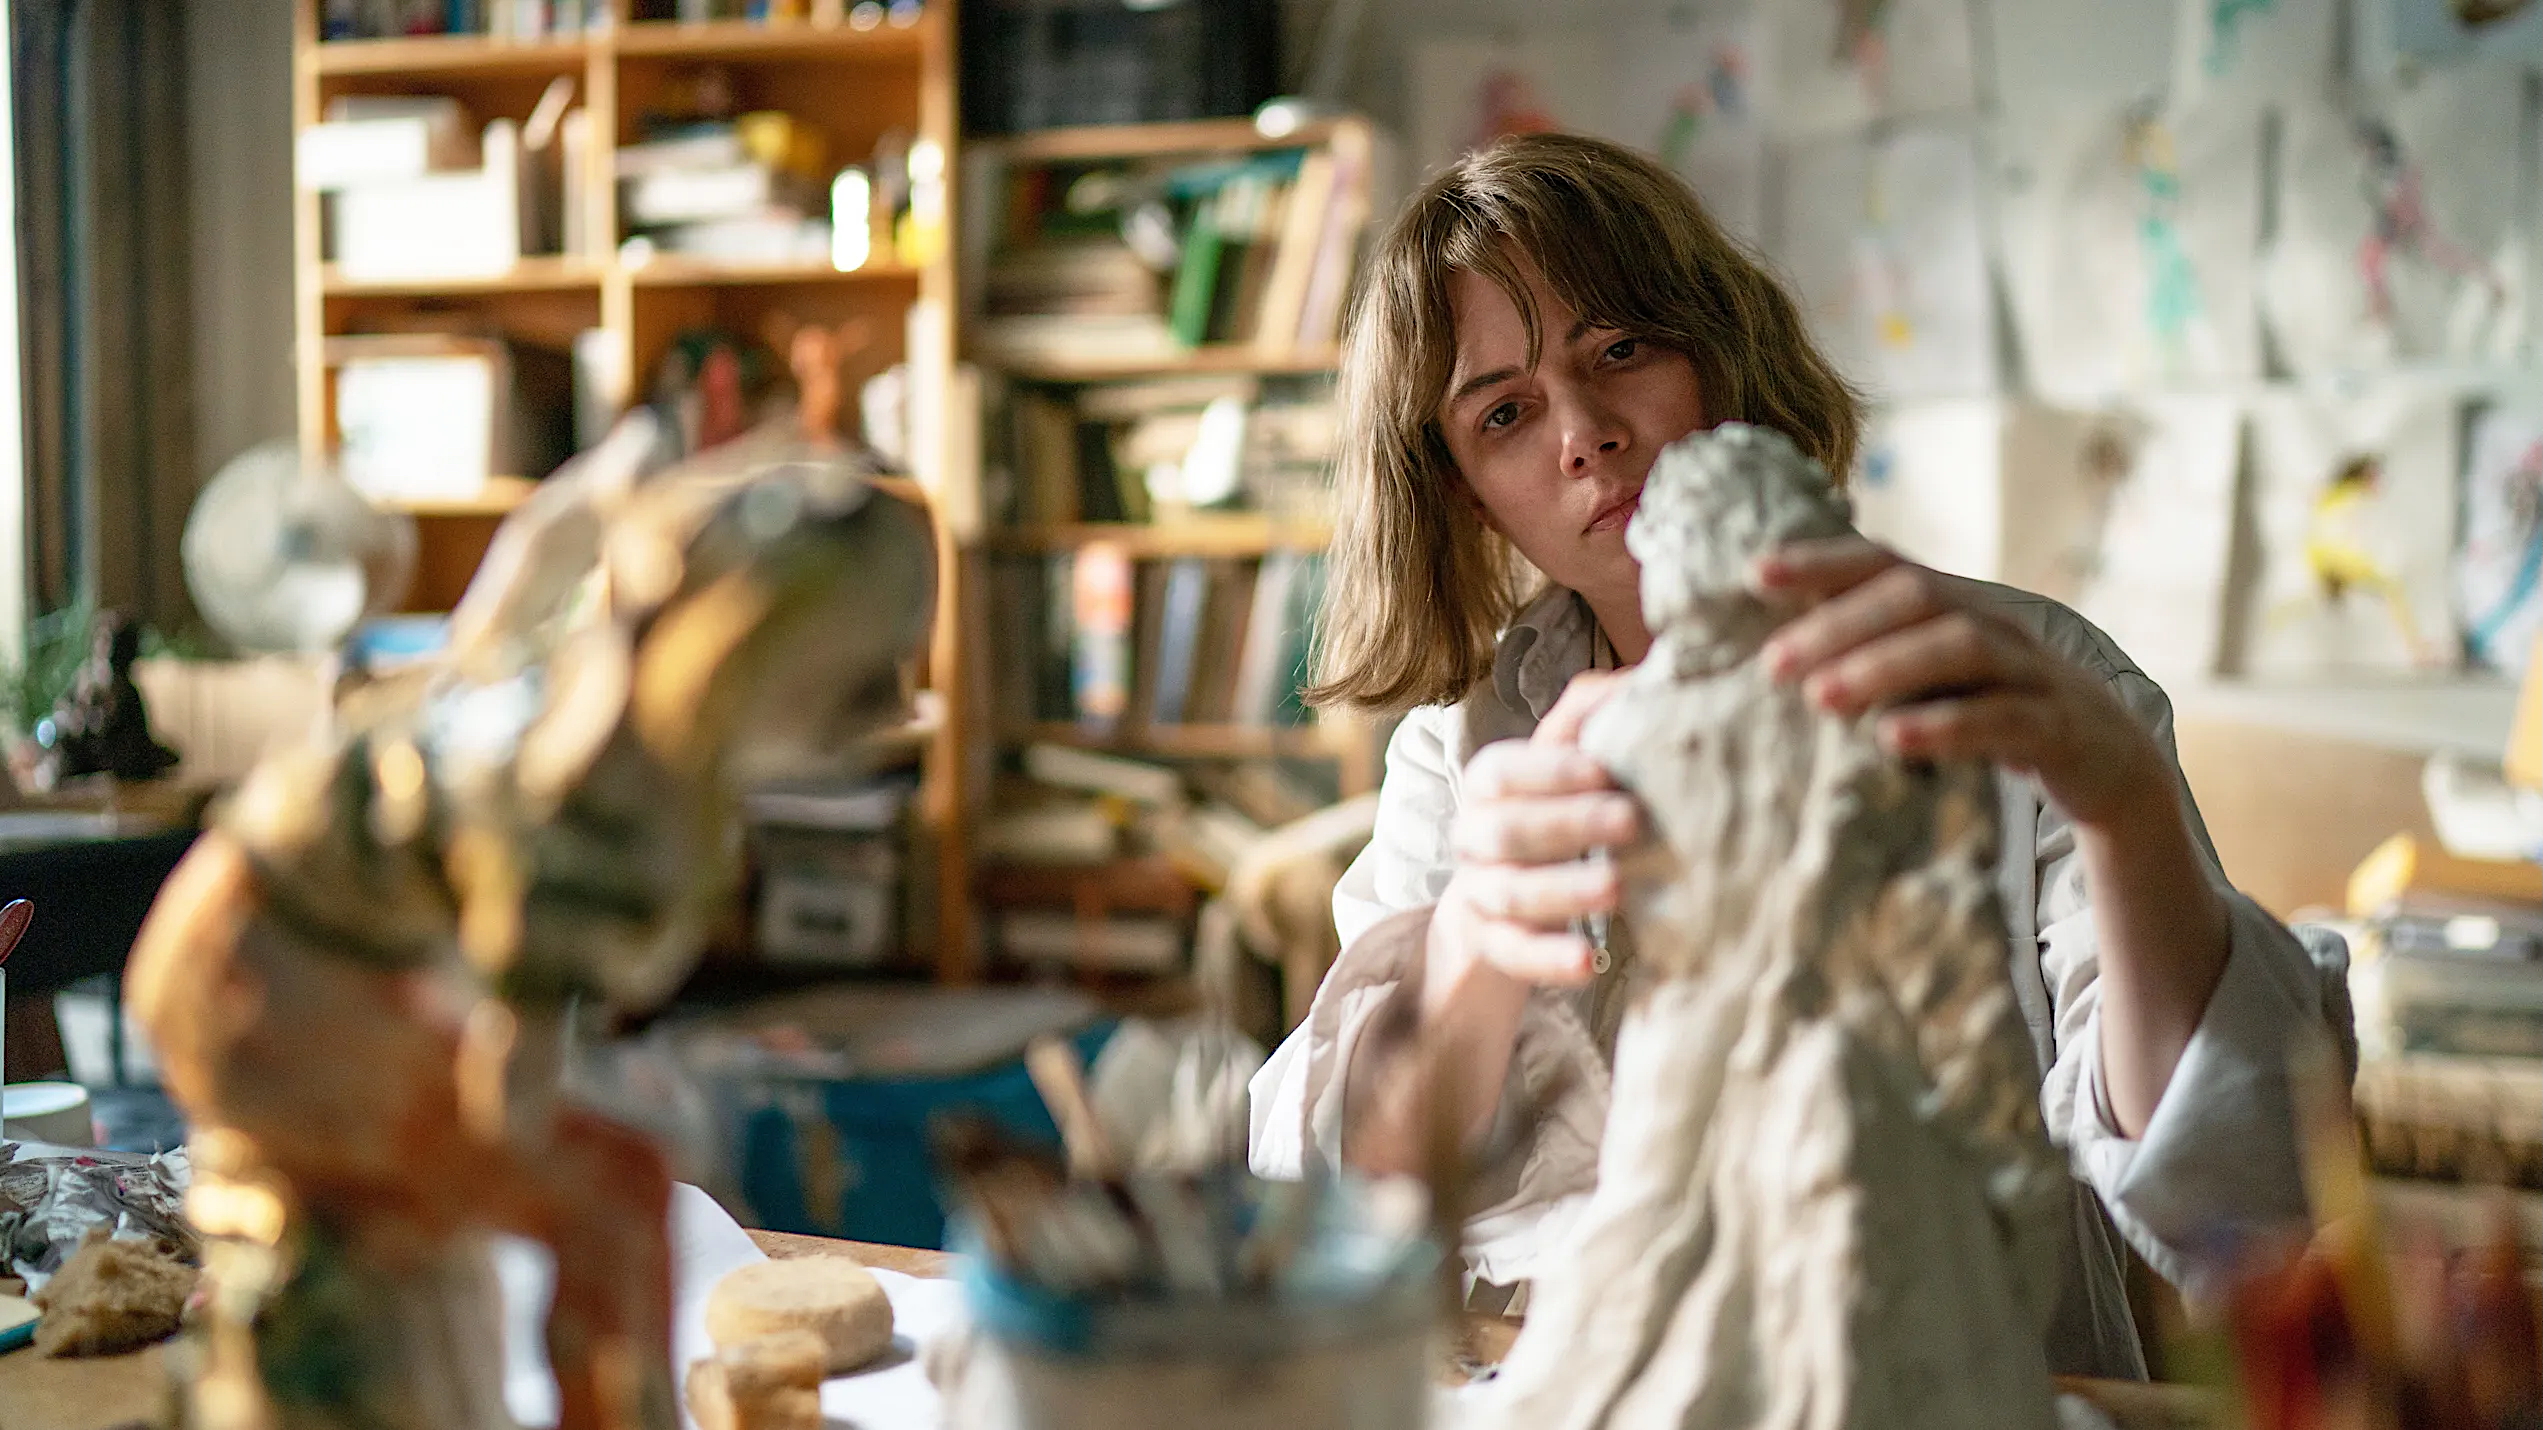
<point>361,979</point>
<point>101,727</point>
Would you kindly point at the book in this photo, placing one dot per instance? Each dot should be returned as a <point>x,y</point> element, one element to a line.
<point>1186,591</point>
<point>1147,611</point>
<point>1196,275</point>
<point>1284,301</point>
<point>1094,772</point>
<point>1073,279</point>
<point>1329,280</point>
<point>1060,832</point>
<point>1147,397</point>
<point>1046,449</point>
<point>1100,602</point>
<point>1297,653</point>
<point>1122,944</point>
<point>1244,278</point>
<point>715,145</point>
<point>1059,339</point>
<point>735,191</point>
<point>1222,641</point>
<point>1256,691</point>
<point>433,137</point>
<point>439,225</point>
<point>1055,681</point>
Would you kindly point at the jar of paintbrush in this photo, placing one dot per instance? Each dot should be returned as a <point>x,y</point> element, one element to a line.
<point>1105,1297</point>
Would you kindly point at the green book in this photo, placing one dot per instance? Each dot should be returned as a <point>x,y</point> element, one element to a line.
<point>1196,278</point>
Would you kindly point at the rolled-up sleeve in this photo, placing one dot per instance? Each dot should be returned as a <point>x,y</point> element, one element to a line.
<point>1555,1101</point>
<point>2219,1156</point>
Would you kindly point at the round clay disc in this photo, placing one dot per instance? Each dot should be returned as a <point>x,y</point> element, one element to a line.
<point>830,1296</point>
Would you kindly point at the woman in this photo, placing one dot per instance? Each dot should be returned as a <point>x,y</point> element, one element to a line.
<point>1542,319</point>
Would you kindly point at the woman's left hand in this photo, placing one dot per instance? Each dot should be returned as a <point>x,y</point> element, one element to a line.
<point>1956,681</point>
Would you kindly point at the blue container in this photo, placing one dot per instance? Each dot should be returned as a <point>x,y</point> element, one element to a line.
<point>825,1099</point>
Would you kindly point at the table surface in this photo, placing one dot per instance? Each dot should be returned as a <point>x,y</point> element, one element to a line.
<point>105,1392</point>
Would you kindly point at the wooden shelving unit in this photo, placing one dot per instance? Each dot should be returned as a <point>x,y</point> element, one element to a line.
<point>1350,746</point>
<point>852,86</point>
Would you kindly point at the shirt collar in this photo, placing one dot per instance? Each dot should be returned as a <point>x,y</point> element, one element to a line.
<point>1546,644</point>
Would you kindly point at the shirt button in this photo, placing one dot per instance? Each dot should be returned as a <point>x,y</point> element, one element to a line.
<point>1601,961</point>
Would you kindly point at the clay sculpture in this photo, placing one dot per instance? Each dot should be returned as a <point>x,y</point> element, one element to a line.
<point>359,982</point>
<point>1824,1194</point>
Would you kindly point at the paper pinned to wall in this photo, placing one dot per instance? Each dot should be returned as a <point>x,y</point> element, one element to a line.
<point>2128,241</point>
<point>2353,503</point>
<point>1930,482</point>
<point>1692,92</point>
<point>2388,36</point>
<point>1689,92</point>
<point>1840,65</point>
<point>1468,92</point>
<point>2252,52</point>
<point>2398,234</point>
<point>2166,532</point>
<point>2499,562</point>
<point>1883,243</point>
<point>2053,57</point>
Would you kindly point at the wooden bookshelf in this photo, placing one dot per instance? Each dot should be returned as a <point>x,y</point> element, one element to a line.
<point>1214,358</point>
<point>1139,141</point>
<point>427,56</point>
<point>850,86</point>
<point>1351,145</point>
<point>1200,536</point>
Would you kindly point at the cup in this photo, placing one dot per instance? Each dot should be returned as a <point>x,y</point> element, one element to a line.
<point>55,1112</point>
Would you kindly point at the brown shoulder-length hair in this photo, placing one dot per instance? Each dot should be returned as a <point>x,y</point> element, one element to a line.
<point>1419,588</point>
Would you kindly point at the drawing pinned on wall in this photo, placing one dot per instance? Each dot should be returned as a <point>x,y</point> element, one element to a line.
<point>2499,565</point>
<point>2398,238</point>
<point>2454,31</point>
<point>1468,92</point>
<point>1842,64</point>
<point>2154,488</point>
<point>1929,481</point>
<point>2048,58</point>
<point>2245,53</point>
<point>2353,502</point>
<point>1882,241</point>
<point>2127,240</point>
<point>1691,92</point>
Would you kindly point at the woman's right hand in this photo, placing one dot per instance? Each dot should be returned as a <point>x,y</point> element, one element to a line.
<point>1531,809</point>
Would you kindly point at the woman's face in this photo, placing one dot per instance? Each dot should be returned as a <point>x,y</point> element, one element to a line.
<point>1556,453</point>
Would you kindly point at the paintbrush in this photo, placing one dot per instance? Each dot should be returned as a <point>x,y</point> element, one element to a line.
<point>13,925</point>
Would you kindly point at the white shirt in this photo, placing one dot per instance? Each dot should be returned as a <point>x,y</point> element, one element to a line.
<point>2218,1157</point>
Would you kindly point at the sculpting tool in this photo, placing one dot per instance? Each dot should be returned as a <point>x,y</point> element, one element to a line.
<point>14,920</point>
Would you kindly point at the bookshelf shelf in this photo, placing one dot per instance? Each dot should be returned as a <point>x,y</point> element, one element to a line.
<point>545,273</point>
<point>1215,358</point>
<point>678,272</point>
<point>1194,742</point>
<point>501,495</point>
<point>1201,536</point>
<point>426,56</point>
<point>1206,360</point>
<point>799,39</point>
<point>1131,141</point>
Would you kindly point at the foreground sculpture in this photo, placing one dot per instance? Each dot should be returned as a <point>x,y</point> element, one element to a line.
<point>1824,1194</point>
<point>359,982</point>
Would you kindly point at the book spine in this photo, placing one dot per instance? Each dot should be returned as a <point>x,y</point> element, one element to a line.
<point>1178,637</point>
<point>1101,606</point>
<point>1196,276</point>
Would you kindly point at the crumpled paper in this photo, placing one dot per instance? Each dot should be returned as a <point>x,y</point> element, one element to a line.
<point>49,1203</point>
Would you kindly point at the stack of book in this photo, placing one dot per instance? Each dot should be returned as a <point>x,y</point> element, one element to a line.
<point>1150,450</point>
<point>750,190</point>
<point>498,19</point>
<point>415,190</point>
<point>1133,261</point>
<point>1198,641</point>
<point>1098,864</point>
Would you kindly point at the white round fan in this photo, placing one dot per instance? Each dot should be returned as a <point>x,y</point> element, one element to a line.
<point>283,558</point>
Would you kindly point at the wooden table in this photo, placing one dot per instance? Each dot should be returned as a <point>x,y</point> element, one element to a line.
<point>101,1392</point>
<point>106,1392</point>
